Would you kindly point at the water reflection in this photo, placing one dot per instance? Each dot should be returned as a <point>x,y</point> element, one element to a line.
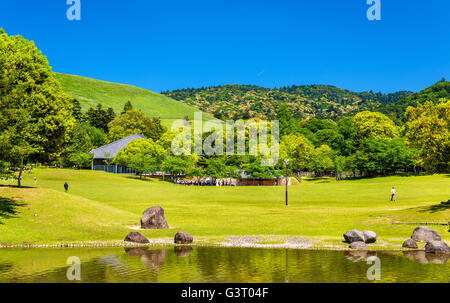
<point>425,258</point>
<point>182,251</point>
<point>153,259</point>
<point>208,264</point>
<point>359,255</point>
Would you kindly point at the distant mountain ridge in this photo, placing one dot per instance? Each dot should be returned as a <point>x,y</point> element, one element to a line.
<point>246,101</point>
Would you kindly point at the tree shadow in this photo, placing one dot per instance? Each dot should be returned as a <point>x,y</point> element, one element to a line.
<point>310,179</point>
<point>8,208</point>
<point>144,179</point>
<point>434,208</point>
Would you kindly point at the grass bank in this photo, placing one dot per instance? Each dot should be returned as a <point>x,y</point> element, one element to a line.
<point>105,207</point>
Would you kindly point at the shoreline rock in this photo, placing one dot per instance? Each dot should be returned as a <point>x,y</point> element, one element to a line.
<point>410,243</point>
<point>183,238</point>
<point>425,234</point>
<point>366,236</point>
<point>437,247</point>
<point>358,245</point>
<point>136,237</point>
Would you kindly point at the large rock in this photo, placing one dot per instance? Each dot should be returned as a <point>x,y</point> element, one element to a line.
<point>437,247</point>
<point>136,237</point>
<point>183,238</point>
<point>153,217</point>
<point>369,236</point>
<point>354,235</point>
<point>410,243</point>
<point>424,234</point>
<point>358,245</point>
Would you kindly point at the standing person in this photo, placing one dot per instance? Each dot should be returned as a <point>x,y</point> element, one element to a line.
<point>66,186</point>
<point>35,179</point>
<point>393,191</point>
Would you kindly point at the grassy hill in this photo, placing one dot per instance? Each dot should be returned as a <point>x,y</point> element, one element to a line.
<point>89,92</point>
<point>246,101</point>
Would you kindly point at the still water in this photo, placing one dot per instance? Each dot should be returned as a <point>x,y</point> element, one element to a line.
<point>202,264</point>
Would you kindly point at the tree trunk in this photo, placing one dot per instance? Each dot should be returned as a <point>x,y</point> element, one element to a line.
<point>19,180</point>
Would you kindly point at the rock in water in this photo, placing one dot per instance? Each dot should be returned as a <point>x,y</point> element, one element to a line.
<point>153,217</point>
<point>358,245</point>
<point>369,236</point>
<point>410,243</point>
<point>424,234</point>
<point>136,237</point>
<point>183,238</point>
<point>354,235</point>
<point>437,247</point>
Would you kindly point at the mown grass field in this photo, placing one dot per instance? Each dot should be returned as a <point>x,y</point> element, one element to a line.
<point>102,206</point>
<point>89,92</point>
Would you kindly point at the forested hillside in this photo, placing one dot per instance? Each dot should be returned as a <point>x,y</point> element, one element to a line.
<point>247,101</point>
<point>435,93</point>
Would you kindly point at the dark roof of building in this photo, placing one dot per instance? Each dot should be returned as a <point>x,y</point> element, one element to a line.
<point>110,150</point>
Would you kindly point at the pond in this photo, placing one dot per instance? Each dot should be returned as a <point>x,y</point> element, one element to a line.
<point>210,264</point>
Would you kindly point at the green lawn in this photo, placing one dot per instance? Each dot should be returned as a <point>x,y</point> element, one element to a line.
<point>101,206</point>
<point>90,92</point>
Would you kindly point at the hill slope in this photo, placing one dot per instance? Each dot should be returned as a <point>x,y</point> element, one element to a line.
<point>434,93</point>
<point>89,92</point>
<point>245,101</point>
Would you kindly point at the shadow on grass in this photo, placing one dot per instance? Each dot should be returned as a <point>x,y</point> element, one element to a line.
<point>8,208</point>
<point>386,176</point>
<point>434,208</point>
<point>144,179</point>
<point>309,179</point>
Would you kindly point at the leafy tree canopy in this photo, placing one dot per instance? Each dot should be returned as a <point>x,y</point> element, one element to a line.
<point>133,122</point>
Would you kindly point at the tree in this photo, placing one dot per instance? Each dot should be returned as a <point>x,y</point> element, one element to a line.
<point>215,168</point>
<point>128,106</point>
<point>79,142</point>
<point>321,160</point>
<point>142,155</point>
<point>339,166</point>
<point>257,171</point>
<point>175,165</point>
<point>35,113</point>
<point>99,118</point>
<point>76,110</point>
<point>428,129</point>
<point>81,159</point>
<point>374,125</point>
<point>288,124</point>
<point>133,122</point>
<point>297,149</point>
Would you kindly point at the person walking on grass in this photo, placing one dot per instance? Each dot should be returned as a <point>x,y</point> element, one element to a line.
<point>66,186</point>
<point>393,192</point>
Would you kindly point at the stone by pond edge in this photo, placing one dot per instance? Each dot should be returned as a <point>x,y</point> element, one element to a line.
<point>226,242</point>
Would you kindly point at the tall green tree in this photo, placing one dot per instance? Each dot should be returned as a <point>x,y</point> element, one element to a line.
<point>128,106</point>
<point>35,113</point>
<point>428,130</point>
<point>99,117</point>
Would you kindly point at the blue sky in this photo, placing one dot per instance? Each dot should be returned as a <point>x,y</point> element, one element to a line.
<point>162,45</point>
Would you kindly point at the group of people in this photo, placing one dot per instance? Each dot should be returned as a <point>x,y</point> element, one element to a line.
<point>204,182</point>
